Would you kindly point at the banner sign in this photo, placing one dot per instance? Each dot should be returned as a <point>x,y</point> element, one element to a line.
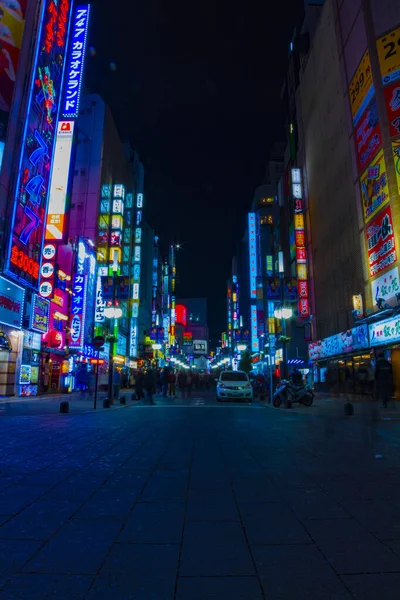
<point>368,135</point>
<point>76,59</point>
<point>12,298</point>
<point>388,47</point>
<point>381,242</point>
<point>392,100</point>
<point>40,314</point>
<point>361,88</point>
<point>347,341</point>
<point>386,286</point>
<point>385,332</point>
<point>252,255</point>
<point>396,159</point>
<point>37,144</point>
<point>374,187</point>
<point>78,301</point>
<point>253,320</point>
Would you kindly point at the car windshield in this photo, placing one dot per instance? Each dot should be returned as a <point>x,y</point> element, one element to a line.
<point>233,376</point>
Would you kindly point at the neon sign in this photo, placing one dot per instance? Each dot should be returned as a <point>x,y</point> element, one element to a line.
<point>301,252</point>
<point>76,59</point>
<point>253,255</point>
<point>37,144</point>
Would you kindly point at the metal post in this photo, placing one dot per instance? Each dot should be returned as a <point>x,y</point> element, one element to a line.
<point>111,363</point>
<point>97,380</point>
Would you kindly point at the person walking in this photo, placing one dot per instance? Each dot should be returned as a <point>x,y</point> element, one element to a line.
<point>182,382</point>
<point>139,385</point>
<point>171,384</point>
<point>149,384</point>
<point>159,380</point>
<point>165,382</point>
<point>189,383</point>
<point>383,380</point>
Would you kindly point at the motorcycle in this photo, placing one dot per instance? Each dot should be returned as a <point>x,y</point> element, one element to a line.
<point>302,394</point>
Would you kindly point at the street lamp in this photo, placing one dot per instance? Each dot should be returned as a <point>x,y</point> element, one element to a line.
<point>283,312</point>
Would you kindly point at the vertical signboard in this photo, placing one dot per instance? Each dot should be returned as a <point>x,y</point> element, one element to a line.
<point>253,255</point>
<point>361,89</point>
<point>76,60</point>
<point>135,295</point>
<point>78,300</point>
<point>381,242</point>
<point>37,145</point>
<point>253,326</point>
<point>301,253</point>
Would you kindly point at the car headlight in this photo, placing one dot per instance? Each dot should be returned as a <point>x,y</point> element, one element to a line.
<point>247,386</point>
<point>221,385</point>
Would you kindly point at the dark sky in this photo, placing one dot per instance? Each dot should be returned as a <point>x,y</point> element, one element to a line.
<point>196,88</point>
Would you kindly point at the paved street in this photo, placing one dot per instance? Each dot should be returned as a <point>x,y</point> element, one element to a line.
<point>191,500</point>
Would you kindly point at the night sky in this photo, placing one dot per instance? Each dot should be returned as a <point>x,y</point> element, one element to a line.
<point>196,89</point>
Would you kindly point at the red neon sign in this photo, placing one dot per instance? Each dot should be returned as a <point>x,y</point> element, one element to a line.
<point>62,23</point>
<point>22,260</point>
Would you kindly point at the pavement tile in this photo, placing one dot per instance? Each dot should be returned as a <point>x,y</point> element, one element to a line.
<point>383,586</point>
<point>165,487</point>
<point>32,586</point>
<point>143,562</point>
<point>128,480</point>
<point>215,549</point>
<point>205,481</point>
<point>17,497</point>
<point>272,523</point>
<point>154,524</point>
<point>350,548</point>
<point>72,491</point>
<point>314,504</point>
<point>78,548</point>
<point>107,504</point>
<point>381,519</point>
<point>218,588</point>
<point>13,555</point>
<point>39,521</point>
<point>298,571</point>
<point>215,505</point>
<point>256,489</point>
<point>121,586</point>
<point>394,545</point>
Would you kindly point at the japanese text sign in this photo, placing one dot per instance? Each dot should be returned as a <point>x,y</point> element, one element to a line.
<point>374,187</point>
<point>37,143</point>
<point>368,135</point>
<point>361,88</point>
<point>252,254</point>
<point>381,242</point>
<point>76,59</point>
<point>392,98</point>
<point>388,47</point>
<point>40,314</point>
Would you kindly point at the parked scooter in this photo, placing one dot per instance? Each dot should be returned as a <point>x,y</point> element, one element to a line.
<point>302,394</point>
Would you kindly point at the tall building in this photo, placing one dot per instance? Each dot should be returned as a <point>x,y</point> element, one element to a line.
<point>344,137</point>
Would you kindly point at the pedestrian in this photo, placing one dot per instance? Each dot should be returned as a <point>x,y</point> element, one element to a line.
<point>164,382</point>
<point>82,379</point>
<point>159,378</point>
<point>383,380</point>
<point>171,384</point>
<point>189,381</point>
<point>116,382</point>
<point>370,378</point>
<point>182,382</point>
<point>139,385</point>
<point>149,384</point>
<point>132,380</point>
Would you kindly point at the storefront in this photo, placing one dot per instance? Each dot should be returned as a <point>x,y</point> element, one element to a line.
<point>385,338</point>
<point>12,300</point>
<point>342,362</point>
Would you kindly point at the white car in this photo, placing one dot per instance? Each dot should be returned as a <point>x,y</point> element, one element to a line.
<point>234,385</point>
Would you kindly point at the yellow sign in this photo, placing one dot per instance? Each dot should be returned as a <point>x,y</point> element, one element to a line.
<point>396,158</point>
<point>361,86</point>
<point>388,48</point>
<point>374,187</point>
<point>301,272</point>
<point>299,221</point>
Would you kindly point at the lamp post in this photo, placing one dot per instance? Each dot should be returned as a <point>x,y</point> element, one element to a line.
<point>283,313</point>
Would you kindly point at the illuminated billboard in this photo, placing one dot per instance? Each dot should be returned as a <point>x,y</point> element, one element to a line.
<point>55,221</point>
<point>13,22</point>
<point>37,145</point>
<point>254,329</point>
<point>76,60</point>
<point>253,254</point>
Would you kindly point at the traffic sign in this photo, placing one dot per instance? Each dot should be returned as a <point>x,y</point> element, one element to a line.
<point>98,341</point>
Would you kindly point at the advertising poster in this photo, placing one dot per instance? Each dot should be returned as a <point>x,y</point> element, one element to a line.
<point>392,100</point>
<point>396,159</point>
<point>374,187</point>
<point>361,88</point>
<point>386,286</point>
<point>368,135</point>
<point>347,341</point>
<point>11,303</point>
<point>11,32</point>
<point>40,314</point>
<point>384,332</point>
<point>388,47</point>
<point>381,242</point>
<point>37,144</point>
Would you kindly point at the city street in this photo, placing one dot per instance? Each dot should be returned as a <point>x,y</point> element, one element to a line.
<point>191,500</point>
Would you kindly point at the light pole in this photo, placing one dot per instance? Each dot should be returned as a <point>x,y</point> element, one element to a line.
<point>283,313</point>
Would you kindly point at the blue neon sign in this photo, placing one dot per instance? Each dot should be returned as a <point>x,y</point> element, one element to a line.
<point>76,60</point>
<point>252,255</point>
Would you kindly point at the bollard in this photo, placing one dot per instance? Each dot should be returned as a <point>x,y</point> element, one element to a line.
<point>106,403</point>
<point>288,403</point>
<point>122,400</point>
<point>64,407</point>
<point>348,409</point>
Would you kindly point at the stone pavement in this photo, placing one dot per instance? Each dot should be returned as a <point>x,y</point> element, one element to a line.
<point>193,501</point>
